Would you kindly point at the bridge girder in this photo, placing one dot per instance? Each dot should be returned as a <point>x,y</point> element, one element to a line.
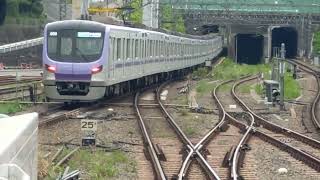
<point>225,17</point>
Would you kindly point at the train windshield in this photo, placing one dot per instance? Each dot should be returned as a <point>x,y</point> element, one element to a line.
<point>74,46</point>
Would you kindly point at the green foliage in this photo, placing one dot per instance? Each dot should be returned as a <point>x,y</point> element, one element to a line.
<point>259,89</point>
<point>204,87</point>
<point>11,108</point>
<point>190,131</point>
<point>136,15</point>
<point>200,73</point>
<point>98,164</point>
<point>29,8</point>
<point>180,25</point>
<point>244,88</point>
<point>292,88</point>
<point>13,8</point>
<point>230,70</point>
<point>170,21</point>
<point>316,42</point>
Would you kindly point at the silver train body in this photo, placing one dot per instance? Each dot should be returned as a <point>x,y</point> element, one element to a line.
<point>119,54</point>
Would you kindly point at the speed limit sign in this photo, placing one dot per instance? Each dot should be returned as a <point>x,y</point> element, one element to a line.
<point>88,125</point>
<point>89,129</point>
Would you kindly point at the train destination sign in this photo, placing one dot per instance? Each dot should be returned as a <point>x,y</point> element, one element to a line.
<point>89,34</point>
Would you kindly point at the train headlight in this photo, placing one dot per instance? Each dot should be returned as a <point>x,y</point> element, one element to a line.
<point>96,70</point>
<point>51,69</point>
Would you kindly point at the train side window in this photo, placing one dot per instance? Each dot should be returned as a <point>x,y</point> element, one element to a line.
<point>142,48</point>
<point>52,45</point>
<point>110,59</point>
<point>132,48</point>
<point>114,49</point>
<point>137,47</point>
<point>118,48</point>
<point>128,49</point>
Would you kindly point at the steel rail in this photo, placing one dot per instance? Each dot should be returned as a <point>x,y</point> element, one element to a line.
<point>193,152</point>
<point>272,126</point>
<point>60,117</point>
<point>147,140</point>
<point>308,159</point>
<point>310,70</point>
<point>206,138</point>
<point>235,159</point>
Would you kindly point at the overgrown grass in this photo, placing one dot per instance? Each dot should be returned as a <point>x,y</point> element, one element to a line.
<point>316,43</point>
<point>204,87</point>
<point>292,88</point>
<point>243,88</point>
<point>201,73</point>
<point>190,131</point>
<point>98,164</point>
<point>184,112</point>
<point>10,108</point>
<point>230,70</point>
<point>259,89</point>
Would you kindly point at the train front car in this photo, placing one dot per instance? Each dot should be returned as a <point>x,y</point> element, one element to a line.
<point>74,60</point>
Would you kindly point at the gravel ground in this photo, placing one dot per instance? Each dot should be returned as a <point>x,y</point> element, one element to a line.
<point>117,130</point>
<point>295,117</point>
<point>265,160</point>
<point>194,125</point>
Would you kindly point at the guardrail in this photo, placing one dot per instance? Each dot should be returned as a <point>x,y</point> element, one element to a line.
<point>21,45</point>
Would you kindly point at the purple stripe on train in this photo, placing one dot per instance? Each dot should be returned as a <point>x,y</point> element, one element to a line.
<point>72,77</point>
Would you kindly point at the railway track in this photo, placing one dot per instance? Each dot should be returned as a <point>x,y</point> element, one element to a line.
<point>170,168</point>
<point>58,117</point>
<point>231,157</point>
<point>316,73</point>
<point>300,147</point>
<point>8,80</point>
<point>22,92</point>
<point>194,164</point>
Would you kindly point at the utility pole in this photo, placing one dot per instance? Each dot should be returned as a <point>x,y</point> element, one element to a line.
<point>84,10</point>
<point>282,71</point>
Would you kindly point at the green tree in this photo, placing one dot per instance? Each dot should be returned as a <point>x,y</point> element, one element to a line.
<point>316,42</point>
<point>171,21</point>
<point>31,8</point>
<point>13,8</point>
<point>137,12</point>
<point>3,11</point>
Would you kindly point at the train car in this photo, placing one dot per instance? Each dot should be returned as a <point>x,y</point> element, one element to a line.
<point>86,60</point>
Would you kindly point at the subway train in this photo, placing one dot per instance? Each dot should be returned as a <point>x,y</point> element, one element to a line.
<point>86,61</point>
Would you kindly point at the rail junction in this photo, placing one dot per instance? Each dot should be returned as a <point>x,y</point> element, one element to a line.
<point>250,30</point>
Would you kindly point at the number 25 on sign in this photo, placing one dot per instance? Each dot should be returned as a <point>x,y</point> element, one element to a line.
<point>88,125</point>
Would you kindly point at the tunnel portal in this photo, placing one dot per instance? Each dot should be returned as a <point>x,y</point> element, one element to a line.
<point>287,35</point>
<point>249,48</point>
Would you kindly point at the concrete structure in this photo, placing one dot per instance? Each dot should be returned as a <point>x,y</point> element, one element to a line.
<point>18,150</point>
<point>151,13</point>
<point>21,45</point>
<point>58,9</point>
<point>233,15</point>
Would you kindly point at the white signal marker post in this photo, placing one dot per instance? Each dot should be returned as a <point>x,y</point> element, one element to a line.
<point>89,132</point>
<point>281,73</point>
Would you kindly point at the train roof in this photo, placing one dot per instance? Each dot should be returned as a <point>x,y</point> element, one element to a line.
<point>93,25</point>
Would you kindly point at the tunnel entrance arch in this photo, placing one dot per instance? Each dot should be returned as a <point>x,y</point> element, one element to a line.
<point>249,48</point>
<point>287,35</point>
